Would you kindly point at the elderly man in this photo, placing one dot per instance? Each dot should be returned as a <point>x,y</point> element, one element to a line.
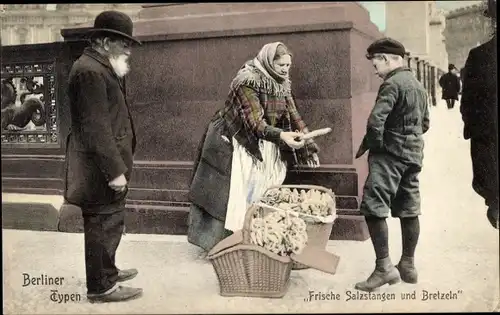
<point>394,139</point>
<point>99,152</point>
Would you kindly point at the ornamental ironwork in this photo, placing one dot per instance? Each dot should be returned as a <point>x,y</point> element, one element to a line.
<point>29,108</point>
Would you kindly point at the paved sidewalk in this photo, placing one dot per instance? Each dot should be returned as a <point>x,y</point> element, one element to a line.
<point>458,252</point>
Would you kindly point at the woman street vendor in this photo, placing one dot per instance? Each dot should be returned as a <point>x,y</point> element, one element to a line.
<point>248,146</point>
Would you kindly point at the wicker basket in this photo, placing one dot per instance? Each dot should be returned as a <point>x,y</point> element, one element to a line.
<point>250,270</point>
<point>318,233</point>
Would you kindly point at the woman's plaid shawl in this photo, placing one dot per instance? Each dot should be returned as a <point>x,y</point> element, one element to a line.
<point>256,106</point>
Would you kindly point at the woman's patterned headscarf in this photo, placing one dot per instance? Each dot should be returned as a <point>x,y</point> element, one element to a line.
<point>265,58</point>
<point>272,82</point>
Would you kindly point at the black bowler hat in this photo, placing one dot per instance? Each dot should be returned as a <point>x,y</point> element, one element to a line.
<point>114,22</point>
<point>451,67</point>
<point>385,46</point>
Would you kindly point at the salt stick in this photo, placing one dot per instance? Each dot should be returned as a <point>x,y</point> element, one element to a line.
<point>316,133</point>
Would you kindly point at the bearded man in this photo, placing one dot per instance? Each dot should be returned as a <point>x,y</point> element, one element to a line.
<point>99,152</point>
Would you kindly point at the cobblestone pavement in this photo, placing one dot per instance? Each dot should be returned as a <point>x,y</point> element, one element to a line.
<point>458,252</point>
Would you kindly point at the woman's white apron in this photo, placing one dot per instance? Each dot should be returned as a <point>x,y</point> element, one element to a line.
<point>250,180</point>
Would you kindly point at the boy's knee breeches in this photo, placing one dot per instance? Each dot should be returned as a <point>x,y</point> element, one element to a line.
<point>392,187</point>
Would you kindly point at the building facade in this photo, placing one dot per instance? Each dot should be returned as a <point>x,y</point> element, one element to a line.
<point>466,28</point>
<point>419,25</point>
<point>437,40</point>
<point>42,23</point>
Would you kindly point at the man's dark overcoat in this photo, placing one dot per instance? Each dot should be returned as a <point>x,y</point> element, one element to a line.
<point>450,84</point>
<point>479,109</point>
<point>102,141</point>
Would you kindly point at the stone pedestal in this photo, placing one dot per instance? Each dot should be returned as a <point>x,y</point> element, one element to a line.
<point>180,76</point>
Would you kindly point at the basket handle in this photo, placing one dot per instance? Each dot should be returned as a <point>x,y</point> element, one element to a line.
<point>320,188</point>
<point>247,223</point>
<point>328,219</point>
<point>290,212</point>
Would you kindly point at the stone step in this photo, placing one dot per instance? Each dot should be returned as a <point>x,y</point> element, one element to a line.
<point>148,180</point>
<point>29,216</point>
<point>173,220</point>
<point>348,203</point>
<point>140,218</point>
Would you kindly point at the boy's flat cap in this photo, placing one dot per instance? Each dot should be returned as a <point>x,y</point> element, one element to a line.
<point>385,46</point>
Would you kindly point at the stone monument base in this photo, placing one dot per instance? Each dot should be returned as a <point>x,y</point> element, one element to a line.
<point>180,76</point>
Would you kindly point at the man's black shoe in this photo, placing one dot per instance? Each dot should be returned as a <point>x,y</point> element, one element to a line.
<point>127,274</point>
<point>118,295</point>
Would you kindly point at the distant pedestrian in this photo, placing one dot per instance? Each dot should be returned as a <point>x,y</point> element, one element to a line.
<point>394,139</point>
<point>99,152</point>
<point>479,110</point>
<point>450,84</point>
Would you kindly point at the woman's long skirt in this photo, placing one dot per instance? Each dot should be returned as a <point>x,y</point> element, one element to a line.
<point>249,180</point>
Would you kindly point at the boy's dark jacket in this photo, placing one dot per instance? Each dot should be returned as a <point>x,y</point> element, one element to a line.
<point>399,118</point>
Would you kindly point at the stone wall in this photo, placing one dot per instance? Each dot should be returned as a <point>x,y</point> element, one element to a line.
<point>180,76</point>
<point>465,28</point>
<point>437,49</point>
<point>408,22</point>
<point>419,26</point>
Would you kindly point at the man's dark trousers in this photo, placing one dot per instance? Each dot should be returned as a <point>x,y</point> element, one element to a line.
<point>450,103</point>
<point>103,232</point>
<point>484,156</point>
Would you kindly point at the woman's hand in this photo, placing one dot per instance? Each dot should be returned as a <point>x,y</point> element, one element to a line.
<point>292,139</point>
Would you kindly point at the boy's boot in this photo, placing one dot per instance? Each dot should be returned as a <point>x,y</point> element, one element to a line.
<point>384,273</point>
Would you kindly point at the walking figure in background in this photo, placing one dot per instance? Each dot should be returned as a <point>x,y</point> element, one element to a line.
<point>450,84</point>
<point>99,152</point>
<point>394,140</point>
<point>248,146</point>
<point>479,110</point>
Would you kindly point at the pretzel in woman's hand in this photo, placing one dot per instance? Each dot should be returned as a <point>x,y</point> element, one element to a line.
<point>316,133</point>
